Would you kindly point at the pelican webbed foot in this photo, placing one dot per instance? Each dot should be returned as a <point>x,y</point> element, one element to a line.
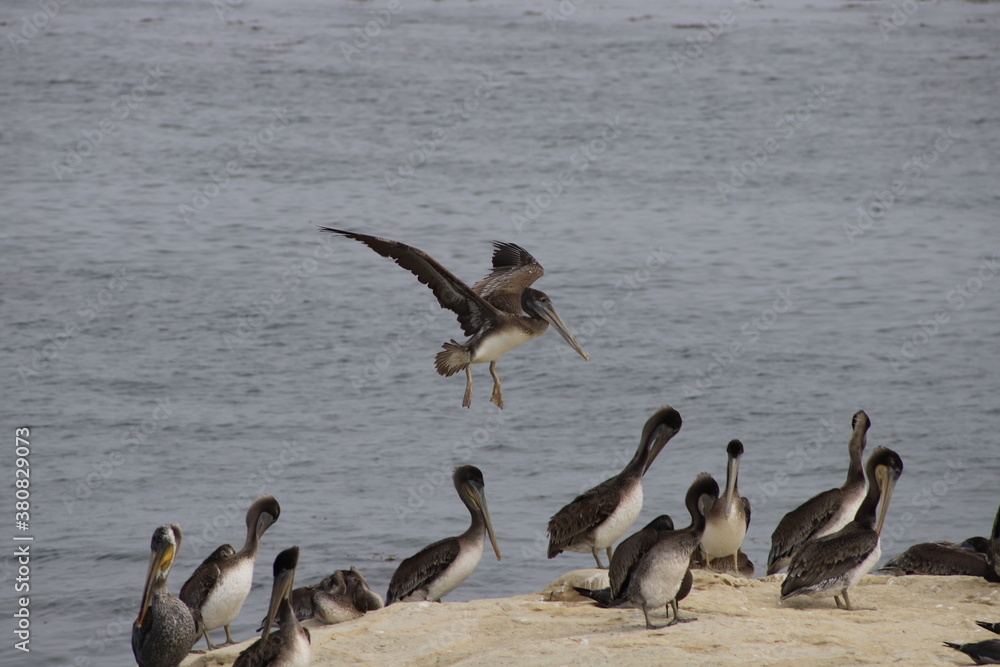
<point>597,557</point>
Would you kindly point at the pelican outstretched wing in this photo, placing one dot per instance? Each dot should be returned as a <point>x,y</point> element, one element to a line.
<point>472,310</point>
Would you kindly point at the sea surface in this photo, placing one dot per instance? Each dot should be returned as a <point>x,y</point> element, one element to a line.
<point>767,214</point>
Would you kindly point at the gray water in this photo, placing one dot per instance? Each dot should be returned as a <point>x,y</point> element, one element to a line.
<point>179,338</point>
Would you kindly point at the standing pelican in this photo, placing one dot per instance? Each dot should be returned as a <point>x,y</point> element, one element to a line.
<point>659,575</point>
<point>291,645</point>
<point>627,556</point>
<point>343,596</point>
<point>826,512</point>
<point>729,517</point>
<point>166,629</point>
<point>219,586</point>
<point>975,557</point>
<point>441,567</point>
<point>598,517</point>
<point>499,312</point>
<point>836,562</point>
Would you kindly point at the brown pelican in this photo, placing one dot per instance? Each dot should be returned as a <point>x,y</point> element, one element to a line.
<point>290,646</point>
<point>658,576</point>
<point>627,556</point>
<point>826,512</point>
<point>729,517</point>
<point>836,562</point>
<point>217,588</point>
<point>441,567</point>
<point>598,517</point>
<point>499,312</point>
<point>976,557</point>
<point>342,596</point>
<point>741,564</point>
<point>166,628</point>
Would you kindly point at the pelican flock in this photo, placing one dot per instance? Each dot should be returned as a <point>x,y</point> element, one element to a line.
<point>827,543</point>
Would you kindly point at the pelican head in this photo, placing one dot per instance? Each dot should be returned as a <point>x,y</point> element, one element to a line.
<point>163,549</point>
<point>735,450</point>
<point>284,575</point>
<point>262,513</point>
<point>659,428</point>
<point>860,420</point>
<point>535,302</point>
<point>887,467</point>
<point>700,496</point>
<point>469,483</point>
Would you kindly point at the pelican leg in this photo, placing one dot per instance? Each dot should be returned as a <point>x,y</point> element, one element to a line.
<point>649,626</point>
<point>229,637</point>
<point>609,557</point>
<point>847,601</point>
<point>597,557</point>
<point>208,640</point>
<point>836,598</point>
<point>497,397</point>
<point>467,401</point>
<point>677,618</point>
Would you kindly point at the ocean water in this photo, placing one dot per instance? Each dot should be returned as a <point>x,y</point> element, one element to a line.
<point>766,214</point>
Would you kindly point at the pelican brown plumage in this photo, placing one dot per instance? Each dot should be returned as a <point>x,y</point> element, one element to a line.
<point>827,512</point>
<point>626,557</point>
<point>837,561</point>
<point>166,628</point>
<point>498,313</point>
<point>291,645</point>
<point>439,568</point>
<point>975,557</point>
<point>596,518</point>
<point>220,585</point>
<point>658,578</point>
<point>728,519</point>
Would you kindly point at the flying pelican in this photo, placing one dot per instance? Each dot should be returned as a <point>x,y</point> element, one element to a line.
<point>165,629</point>
<point>976,557</point>
<point>627,556</point>
<point>598,517</point>
<point>220,585</point>
<point>342,596</point>
<point>291,645</point>
<point>659,575</point>
<point>826,512</point>
<point>728,519</point>
<point>836,562</point>
<point>498,313</point>
<point>441,567</point>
